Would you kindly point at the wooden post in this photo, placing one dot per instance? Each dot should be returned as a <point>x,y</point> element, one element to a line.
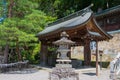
<point>100,61</point>
<point>97,58</point>
<point>43,54</point>
<point>87,53</point>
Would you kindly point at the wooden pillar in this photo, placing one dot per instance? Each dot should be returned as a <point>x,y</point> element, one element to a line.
<point>43,54</point>
<point>87,53</point>
<point>97,58</point>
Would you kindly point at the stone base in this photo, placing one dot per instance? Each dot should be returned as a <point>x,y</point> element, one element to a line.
<point>63,66</point>
<point>63,74</point>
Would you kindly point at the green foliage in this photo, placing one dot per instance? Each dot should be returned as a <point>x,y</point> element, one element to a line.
<point>98,4</point>
<point>113,3</point>
<point>35,54</point>
<point>37,21</point>
<point>21,28</point>
<point>32,55</point>
<point>52,49</point>
<point>23,7</point>
<point>61,8</point>
<point>104,64</point>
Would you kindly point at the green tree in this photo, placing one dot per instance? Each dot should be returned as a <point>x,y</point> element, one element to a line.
<point>23,22</point>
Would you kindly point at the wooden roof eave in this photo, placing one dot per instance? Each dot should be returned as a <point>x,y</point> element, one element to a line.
<point>94,36</point>
<point>101,31</point>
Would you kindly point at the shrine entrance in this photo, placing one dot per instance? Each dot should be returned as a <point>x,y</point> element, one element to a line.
<point>81,27</point>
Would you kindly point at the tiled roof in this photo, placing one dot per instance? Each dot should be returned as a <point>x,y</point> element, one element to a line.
<point>73,20</point>
<point>80,18</point>
<point>108,11</point>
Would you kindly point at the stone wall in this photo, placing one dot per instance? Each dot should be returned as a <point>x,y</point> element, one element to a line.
<point>112,46</point>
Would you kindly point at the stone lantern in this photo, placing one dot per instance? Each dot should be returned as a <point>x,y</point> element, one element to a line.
<point>63,49</point>
<point>63,69</point>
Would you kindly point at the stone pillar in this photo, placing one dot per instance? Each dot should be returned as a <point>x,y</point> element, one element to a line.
<point>87,53</point>
<point>43,53</point>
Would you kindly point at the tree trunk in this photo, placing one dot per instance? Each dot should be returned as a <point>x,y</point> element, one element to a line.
<point>10,8</point>
<point>6,53</point>
<point>27,50</point>
<point>18,51</point>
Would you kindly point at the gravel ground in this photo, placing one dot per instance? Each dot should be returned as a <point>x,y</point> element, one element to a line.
<point>91,75</point>
<point>84,74</point>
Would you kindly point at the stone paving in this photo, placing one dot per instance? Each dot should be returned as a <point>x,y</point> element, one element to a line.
<point>43,74</point>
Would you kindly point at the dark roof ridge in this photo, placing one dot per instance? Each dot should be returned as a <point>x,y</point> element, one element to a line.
<point>73,15</point>
<point>106,11</point>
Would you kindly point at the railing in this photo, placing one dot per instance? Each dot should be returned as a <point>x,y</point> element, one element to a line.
<point>115,67</point>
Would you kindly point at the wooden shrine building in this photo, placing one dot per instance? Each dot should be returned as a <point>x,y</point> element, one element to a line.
<point>81,27</point>
<point>109,19</point>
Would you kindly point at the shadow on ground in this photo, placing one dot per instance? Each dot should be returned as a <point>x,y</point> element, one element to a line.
<point>90,74</point>
<point>23,71</point>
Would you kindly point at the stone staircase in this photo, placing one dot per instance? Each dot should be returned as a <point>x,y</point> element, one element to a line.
<point>115,68</point>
